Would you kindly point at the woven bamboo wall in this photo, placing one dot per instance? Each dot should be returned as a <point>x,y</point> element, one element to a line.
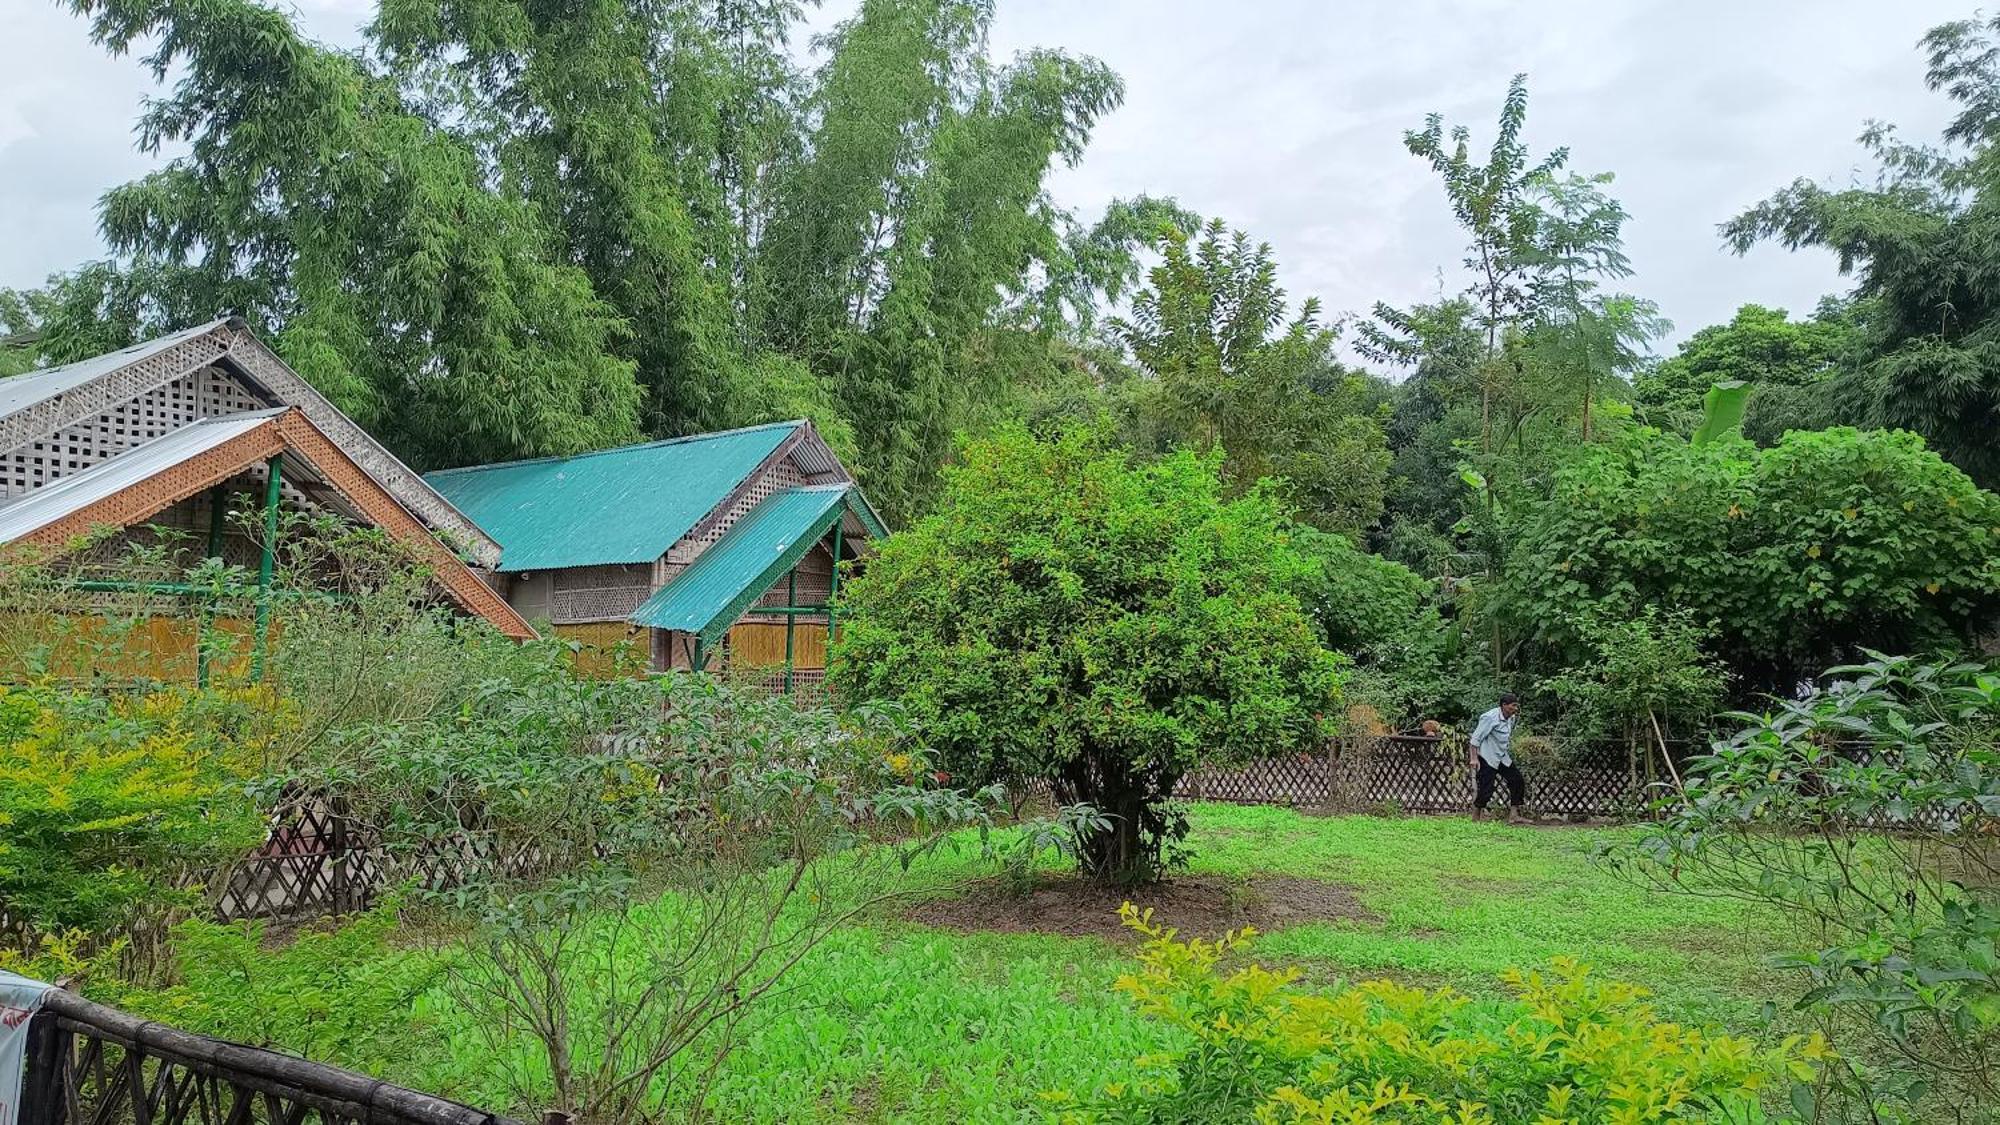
<point>598,594</point>
<point>81,645</point>
<point>608,645</point>
<point>757,644</point>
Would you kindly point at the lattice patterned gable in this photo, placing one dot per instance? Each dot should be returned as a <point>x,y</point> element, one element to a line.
<point>785,474</point>
<point>208,393</point>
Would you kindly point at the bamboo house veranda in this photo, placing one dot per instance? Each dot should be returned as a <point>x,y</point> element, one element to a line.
<point>177,433</point>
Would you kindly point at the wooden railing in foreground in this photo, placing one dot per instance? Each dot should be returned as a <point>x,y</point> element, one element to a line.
<point>93,1065</point>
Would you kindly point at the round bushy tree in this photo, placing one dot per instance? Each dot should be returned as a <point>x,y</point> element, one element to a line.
<point>1070,616</point>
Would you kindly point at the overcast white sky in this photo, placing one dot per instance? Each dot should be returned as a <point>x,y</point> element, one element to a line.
<point>1283,117</point>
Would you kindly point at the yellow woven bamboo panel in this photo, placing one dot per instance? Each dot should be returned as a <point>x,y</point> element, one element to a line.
<point>755,644</point>
<point>609,646</point>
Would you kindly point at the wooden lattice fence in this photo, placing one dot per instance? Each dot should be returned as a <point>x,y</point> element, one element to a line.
<point>1417,773</point>
<point>92,1065</point>
<point>317,861</point>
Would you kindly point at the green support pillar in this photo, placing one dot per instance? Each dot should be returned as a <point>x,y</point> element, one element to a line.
<point>218,507</point>
<point>833,582</point>
<point>218,512</point>
<point>267,562</point>
<point>791,621</point>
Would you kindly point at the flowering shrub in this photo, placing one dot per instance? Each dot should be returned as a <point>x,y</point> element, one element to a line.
<point>1569,1048</point>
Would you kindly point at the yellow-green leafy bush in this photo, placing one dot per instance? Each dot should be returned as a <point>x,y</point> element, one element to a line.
<point>1568,1049</point>
<point>111,805</point>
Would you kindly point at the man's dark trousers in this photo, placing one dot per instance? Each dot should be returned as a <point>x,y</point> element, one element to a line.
<point>1517,786</point>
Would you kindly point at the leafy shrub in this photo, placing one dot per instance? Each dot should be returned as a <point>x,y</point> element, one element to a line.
<point>1384,617</point>
<point>113,807</point>
<point>1649,677</point>
<point>1903,923</point>
<point>1568,1048</point>
<point>1797,554</point>
<point>336,992</point>
<point>1071,617</point>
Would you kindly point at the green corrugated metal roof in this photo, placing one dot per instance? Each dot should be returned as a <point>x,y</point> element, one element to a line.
<point>624,505</point>
<point>722,581</point>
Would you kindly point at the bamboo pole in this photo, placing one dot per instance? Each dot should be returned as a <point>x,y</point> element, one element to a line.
<point>833,582</point>
<point>1665,754</point>
<point>218,499</point>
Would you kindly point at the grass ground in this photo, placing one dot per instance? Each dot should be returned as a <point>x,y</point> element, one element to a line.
<point>896,1022</point>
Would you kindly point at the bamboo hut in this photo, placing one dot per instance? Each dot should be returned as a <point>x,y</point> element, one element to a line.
<point>720,550</point>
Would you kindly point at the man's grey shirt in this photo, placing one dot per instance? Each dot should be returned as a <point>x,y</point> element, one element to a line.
<point>1493,739</point>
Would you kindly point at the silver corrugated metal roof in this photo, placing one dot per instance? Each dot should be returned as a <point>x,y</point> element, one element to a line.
<point>19,392</point>
<point>72,494</point>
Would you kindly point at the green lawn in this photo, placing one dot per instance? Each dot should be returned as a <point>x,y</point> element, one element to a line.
<point>894,1022</point>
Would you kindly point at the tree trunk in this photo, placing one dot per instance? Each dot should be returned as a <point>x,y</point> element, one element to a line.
<point>1125,853</point>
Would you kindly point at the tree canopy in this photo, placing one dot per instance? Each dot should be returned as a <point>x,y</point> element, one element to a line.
<point>506,230</point>
<point>1921,242</point>
<point>1797,555</point>
<point>1072,617</point>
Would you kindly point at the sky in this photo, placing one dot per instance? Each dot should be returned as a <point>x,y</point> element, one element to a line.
<point>1282,117</point>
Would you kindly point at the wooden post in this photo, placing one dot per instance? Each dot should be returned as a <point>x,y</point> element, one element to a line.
<point>48,1054</point>
<point>338,847</point>
<point>266,563</point>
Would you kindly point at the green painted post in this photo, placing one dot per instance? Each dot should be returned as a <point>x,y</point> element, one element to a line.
<point>791,621</point>
<point>267,562</point>
<point>833,582</point>
<point>218,502</point>
<point>218,511</point>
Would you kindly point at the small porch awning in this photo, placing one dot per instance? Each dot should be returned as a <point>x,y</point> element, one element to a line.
<point>725,580</point>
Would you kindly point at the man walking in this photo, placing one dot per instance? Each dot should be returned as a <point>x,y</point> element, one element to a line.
<point>1492,741</point>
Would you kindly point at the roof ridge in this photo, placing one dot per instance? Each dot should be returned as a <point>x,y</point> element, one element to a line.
<point>657,443</point>
<point>129,349</point>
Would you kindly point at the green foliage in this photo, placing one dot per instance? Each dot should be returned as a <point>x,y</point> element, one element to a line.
<point>109,805</point>
<point>1569,1047</point>
<point>1229,371</point>
<point>1796,554</point>
<point>1903,925</point>
<point>1069,616</point>
<point>337,992</point>
<point>1492,202</point>
<point>1384,617</point>
<point>1646,677</point>
<point>1721,412</point>
<point>558,230</point>
<point>1789,366</point>
<point>419,268</point>
<point>1921,240</point>
<point>1584,340</point>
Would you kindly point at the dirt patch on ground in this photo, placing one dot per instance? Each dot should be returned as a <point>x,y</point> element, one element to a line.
<point>1197,906</point>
